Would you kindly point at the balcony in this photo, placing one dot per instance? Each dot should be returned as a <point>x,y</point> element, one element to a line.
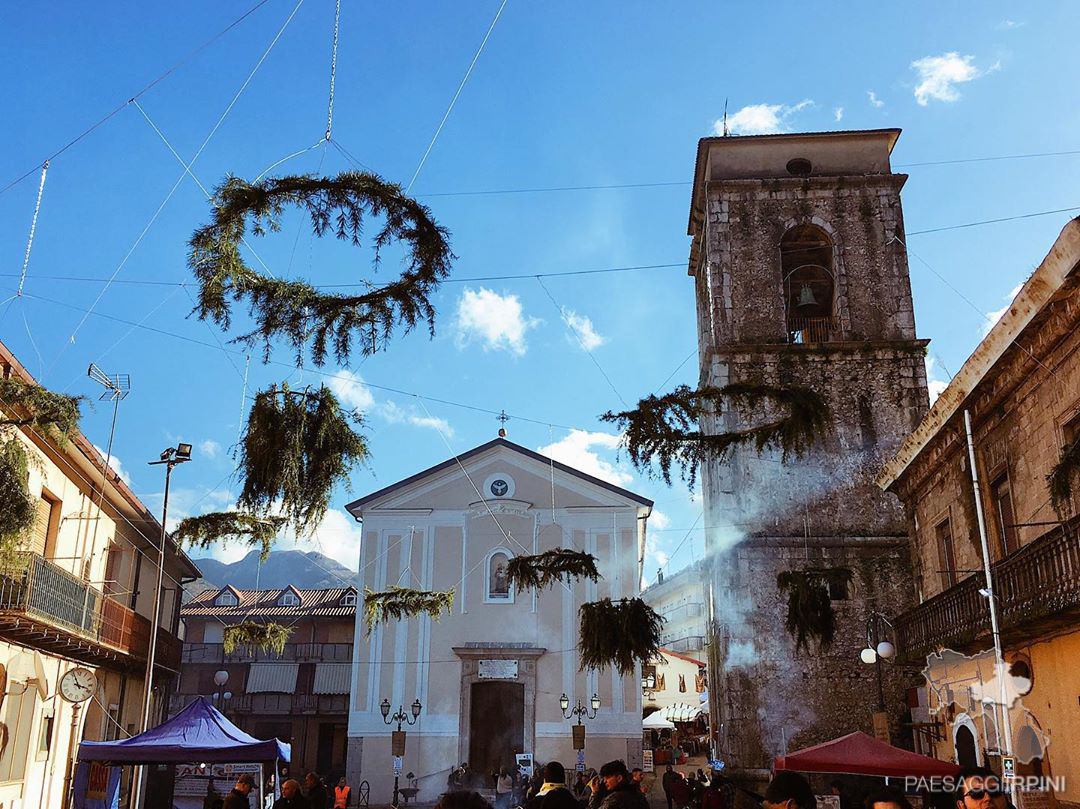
<point>812,329</point>
<point>51,609</point>
<point>1038,591</point>
<point>293,652</point>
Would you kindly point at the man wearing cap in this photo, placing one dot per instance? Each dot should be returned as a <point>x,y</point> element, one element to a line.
<point>613,789</point>
<point>238,795</point>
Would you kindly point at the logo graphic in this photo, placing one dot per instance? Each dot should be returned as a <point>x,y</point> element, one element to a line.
<point>499,487</point>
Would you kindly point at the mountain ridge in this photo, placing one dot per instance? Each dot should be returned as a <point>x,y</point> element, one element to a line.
<point>306,570</point>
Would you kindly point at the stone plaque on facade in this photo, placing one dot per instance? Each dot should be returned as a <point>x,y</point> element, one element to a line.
<point>498,670</point>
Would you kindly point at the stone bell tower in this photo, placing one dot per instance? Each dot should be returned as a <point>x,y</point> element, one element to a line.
<point>801,279</point>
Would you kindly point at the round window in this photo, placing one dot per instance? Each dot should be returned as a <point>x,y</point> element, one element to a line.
<point>499,485</point>
<point>800,167</point>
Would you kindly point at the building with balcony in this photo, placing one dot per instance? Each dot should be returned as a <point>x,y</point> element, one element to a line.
<point>301,696</point>
<point>680,599</point>
<point>676,684</point>
<point>1021,387</point>
<point>83,597</point>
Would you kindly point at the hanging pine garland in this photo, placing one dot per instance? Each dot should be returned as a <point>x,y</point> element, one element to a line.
<point>664,429</point>
<point>255,637</point>
<point>810,614</point>
<point>17,507</point>
<point>401,602</point>
<point>296,310</point>
<point>618,633</point>
<point>24,404</point>
<point>1060,480</point>
<point>252,529</point>
<point>544,569</point>
<point>297,447</point>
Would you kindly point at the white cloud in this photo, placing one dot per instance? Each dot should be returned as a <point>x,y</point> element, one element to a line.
<point>337,536</point>
<point>583,330</point>
<point>1008,25</point>
<point>210,448</point>
<point>934,383</point>
<point>497,321</point>
<point>351,391</point>
<point>995,316</point>
<point>658,520</point>
<point>577,450</point>
<point>760,119</point>
<point>939,75</point>
<point>875,102</point>
<point>392,413</point>
<point>117,467</point>
<point>838,114</point>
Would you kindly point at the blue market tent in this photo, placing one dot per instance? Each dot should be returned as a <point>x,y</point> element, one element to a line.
<point>198,733</point>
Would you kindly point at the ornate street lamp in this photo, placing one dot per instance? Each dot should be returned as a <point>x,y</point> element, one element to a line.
<point>397,741</point>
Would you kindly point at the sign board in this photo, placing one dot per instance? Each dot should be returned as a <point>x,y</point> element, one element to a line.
<point>647,761</point>
<point>397,743</point>
<point>525,763</point>
<point>1008,769</point>
<point>397,765</point>
<point>97,786</point>
<point>881,726</point>
<point>579,737</point>
<point>193,782</point>
<point>828,801</point>
<point>580,765</point>
<point>498,670</point>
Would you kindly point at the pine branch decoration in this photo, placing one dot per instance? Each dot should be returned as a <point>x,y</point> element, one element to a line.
<point>253,637</point>
<point>810,613</point>
<point>1061,478</point>
<point>618,633</point>
<point>17,507</point>
<point>253,529</point>
<point>296,310</point>
<point>25,404</point>
<point>297,446</point>
<point>666,429</point>
<point>543,570</point>
<point>401,602</point>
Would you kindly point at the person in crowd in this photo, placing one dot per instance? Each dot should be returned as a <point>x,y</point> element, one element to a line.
<point>714,795</point>
<point>637,778</point>
<point>789,790</point>
<point>680,791</point>
<point>979,788</point>
<point>342,794</point>
<point>238,795</point>
<point>504,789</point>
<point>553,793</point>
<point>316,791</point>
<point>613,789</point>
<point>290,796</point>
<point>581,787</point>
<point>667,781</point>
<point>462,799</point>
<point>886,799</point>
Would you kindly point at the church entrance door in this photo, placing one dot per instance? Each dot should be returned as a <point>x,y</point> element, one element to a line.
<point>496,726</point>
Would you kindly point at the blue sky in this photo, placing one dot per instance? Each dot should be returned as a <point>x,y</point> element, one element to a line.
<point>563,94</point>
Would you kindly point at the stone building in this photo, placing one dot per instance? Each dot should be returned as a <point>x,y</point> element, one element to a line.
<point>1021,387</point>
<point>801,279</point>
<point>300,696</point>
<point>488,676</point>
<point>680,600</point>
<point>84,600</point>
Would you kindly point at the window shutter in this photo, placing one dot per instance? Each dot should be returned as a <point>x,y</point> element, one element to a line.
<point>40,535</point>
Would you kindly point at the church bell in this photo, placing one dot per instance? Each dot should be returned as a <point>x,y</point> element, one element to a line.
<point>806,296</point>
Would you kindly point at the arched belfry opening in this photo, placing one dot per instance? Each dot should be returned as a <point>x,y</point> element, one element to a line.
<point>806,258</point>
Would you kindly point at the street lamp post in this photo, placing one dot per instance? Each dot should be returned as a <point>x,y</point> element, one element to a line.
<point>398,737</point>
<point>579,710</point>
<point>220,678</point>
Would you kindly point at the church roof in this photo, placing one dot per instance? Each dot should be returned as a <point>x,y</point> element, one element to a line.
<point>506,444</point>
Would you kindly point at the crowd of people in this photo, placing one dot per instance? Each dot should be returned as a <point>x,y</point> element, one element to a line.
<point>312,794</point>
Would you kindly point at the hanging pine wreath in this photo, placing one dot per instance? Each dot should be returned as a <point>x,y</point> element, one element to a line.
<point>17,507</point>
<point>294,309</point>
<point>1060,480</point>
<point>810,614</point>
<point>401,602</point>
<point>255,637</point>
<point>618,633</point>
<point>297,446</point>
<point>544,569</point>
<point>24,404</point>
<point>663,429</point>
<point>253,529</point>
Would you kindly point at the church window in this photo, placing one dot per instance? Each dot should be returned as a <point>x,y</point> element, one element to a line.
<point>498,581</point>
<point>806,259</point>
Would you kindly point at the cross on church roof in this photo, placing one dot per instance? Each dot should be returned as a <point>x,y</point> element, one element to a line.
<point>502,418</point>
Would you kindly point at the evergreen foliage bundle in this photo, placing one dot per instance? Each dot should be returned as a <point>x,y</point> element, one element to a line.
<point>17,507</point>
<point>296,310</point>
<point>809,607</point>
<point>254,529</point>
<point>401,602</point>
<point>24,404</point>
<point>269,637</point>
<point>543,570</point>
<point>666,429</point>
<point>1060,480</point>
<point>618,633</point>
<point>297,446</point>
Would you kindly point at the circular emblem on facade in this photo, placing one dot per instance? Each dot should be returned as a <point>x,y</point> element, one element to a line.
<point>499,485</point>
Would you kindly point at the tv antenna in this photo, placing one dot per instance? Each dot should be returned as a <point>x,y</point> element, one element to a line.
<point>725,118</point>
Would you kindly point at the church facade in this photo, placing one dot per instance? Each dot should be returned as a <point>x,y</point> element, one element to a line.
<point>489,675</point>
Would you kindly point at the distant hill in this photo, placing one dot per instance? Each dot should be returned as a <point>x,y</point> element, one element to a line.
<point>309,570</point>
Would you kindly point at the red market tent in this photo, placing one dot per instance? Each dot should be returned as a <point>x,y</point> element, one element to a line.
<point>859,754</point>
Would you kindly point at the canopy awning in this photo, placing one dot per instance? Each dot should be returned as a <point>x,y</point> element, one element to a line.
<point>332,678</point>
<point>272,678</point>
<point>682,712</point>
<point>859,754</point>
<point>656,721</point>
<point>198,733</point>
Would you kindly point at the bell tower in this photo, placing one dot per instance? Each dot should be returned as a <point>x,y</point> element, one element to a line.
<point>801,279</point>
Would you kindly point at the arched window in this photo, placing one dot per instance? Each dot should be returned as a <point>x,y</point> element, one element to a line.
<point>498,589</point>
<point>806,258</point>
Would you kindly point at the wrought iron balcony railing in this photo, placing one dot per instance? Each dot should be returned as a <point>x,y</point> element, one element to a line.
<point>298,652</point>
<point>1037,588</point>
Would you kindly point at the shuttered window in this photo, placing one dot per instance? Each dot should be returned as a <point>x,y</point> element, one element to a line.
<point>39,540</point>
